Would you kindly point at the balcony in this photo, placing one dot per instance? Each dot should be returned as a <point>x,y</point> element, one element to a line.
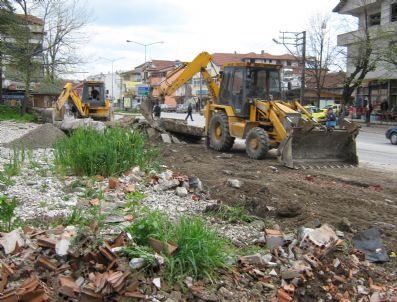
<point>386,31</point>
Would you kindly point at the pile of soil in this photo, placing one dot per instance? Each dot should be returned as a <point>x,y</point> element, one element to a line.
<point>43,136</point>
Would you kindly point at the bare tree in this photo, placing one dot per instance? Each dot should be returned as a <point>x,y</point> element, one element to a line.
<point>362,56</point>
<point>321,51</point>
<point>65,21</point>
<point>19,48</point>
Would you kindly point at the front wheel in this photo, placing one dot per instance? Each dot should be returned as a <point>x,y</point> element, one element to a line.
<point>393,138</point>
<point>218,132</point>
<point>257,143</point>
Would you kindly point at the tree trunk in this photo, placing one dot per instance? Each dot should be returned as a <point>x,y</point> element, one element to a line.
<point>1,78</point>
<point>27,93</point>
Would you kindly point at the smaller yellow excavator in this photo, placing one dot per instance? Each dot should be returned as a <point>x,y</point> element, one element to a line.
<point>92,102</point>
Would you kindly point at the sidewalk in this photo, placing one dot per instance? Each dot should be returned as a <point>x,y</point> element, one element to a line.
<point>380,124</point>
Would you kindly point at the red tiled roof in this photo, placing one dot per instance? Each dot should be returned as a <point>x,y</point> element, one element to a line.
<point>223,58</point>
<point>157,65</point>
<point>32,19</point>
<point>332,80</point>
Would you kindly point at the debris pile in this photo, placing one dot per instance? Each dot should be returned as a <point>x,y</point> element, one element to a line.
<point>315,264</point>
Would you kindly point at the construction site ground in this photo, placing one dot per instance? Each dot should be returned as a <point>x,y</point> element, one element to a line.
<point>294,198</point>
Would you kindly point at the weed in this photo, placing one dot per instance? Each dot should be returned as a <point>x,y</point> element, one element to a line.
<point>44,187</point>
<point>77,183</point>
<point>88,152</point>
<point>234,214</point>
<point>8,222</point>
<point>153,224</point>
<point>133,204</point>
<point>6,179</point>
<point>14,166</point>
<point>200,252</point>
<point>33,164</point>
<point>42,204</point>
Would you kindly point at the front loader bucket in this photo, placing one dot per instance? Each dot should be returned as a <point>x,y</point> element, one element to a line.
<point>318,147</point>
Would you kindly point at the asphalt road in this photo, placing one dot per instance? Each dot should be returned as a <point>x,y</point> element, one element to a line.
<point>374,150</point>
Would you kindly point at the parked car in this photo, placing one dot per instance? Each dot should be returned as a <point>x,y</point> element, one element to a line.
<point>391,134</point>
<point>182,108</point>
<point>168,108</point>
<point>335,107</point>
<point>318,114</point>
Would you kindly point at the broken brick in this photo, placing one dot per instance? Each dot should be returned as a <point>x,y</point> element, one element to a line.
<point>283,296</point>
<point>113,183</point>
<point>68,286</point>
<point>136,295</point>
<point>46,263</point>
<point>46,242</point>
<point>159,246</point>
<point>95,202</point>
<point>129,188</point>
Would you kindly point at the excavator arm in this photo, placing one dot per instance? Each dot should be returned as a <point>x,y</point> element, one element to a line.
<point>69,93</point>
<point>187,71</point>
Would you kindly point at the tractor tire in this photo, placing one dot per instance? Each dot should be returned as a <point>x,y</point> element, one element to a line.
<point>219,135</point>
<point>393,138</point>
<point>257,143</point>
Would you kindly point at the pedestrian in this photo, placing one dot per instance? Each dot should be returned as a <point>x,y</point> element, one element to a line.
<point>368,114</point>
<point>189,112</point>
<point>157,111</point>
<point>331,118</point>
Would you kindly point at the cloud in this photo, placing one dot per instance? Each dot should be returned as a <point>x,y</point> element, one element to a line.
<point>189,27</point>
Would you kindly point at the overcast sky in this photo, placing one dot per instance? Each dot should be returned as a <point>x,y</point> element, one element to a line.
<point>188,27</point>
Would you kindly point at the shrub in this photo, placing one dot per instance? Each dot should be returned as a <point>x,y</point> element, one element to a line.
<point>89,152</point>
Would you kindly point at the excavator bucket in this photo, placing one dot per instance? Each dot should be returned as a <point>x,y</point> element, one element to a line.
<point>319,147</point>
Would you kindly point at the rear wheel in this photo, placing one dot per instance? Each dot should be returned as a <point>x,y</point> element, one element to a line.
<point>393,138</point>
<point>219,135</point>
<point>257,143</point>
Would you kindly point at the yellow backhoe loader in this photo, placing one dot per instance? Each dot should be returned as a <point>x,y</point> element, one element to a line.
<point>247,105</point>
<point>92,102</point>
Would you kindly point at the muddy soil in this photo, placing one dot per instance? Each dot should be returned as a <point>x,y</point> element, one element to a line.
<point>294,198</point>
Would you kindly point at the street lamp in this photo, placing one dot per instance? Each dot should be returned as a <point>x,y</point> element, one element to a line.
<point>112,60</point>
<point>144,45</point>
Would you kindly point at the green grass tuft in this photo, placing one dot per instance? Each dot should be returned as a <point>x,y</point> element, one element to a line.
<point>200,250</point>
<point>8,113</point>
<point>88,152</point>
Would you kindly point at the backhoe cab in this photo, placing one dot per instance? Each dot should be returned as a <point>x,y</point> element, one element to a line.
<point>91,104</point>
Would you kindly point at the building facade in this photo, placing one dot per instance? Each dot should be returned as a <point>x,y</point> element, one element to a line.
<point>379,85</point>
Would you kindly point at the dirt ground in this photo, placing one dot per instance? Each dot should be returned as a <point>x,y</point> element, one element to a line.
<point>294,198</point>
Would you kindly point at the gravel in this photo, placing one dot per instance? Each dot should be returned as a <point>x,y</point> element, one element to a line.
<point>41,194</point>
<point>10,131</point>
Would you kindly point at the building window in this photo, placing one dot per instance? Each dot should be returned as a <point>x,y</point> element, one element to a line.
<point>374,19</point>
<point>393,12</point>
<point>289,63</point>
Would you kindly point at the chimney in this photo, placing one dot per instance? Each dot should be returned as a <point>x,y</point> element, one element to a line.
<point>262,52</point>
<point>235,52</point>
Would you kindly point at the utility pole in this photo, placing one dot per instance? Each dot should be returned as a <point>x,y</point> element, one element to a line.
<point>296,39</point>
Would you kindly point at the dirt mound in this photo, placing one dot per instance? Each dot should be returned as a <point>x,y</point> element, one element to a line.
<point>43,136</point>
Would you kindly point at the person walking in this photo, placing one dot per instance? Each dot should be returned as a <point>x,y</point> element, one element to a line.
<point>189,112</point>
<point>157,111</point>
<point>368,114</point>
